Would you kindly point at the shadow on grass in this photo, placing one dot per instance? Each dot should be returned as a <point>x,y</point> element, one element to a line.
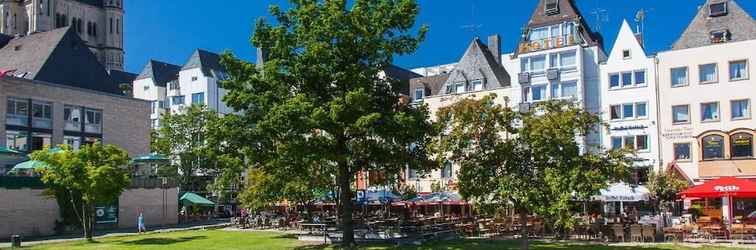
<point>162,241</point>
<point>286,236</point>
<point>487,245</point>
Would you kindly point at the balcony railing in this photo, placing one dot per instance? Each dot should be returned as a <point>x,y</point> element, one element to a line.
<point>93,128</point>
<point>42,123</point>
<point>17,120</point>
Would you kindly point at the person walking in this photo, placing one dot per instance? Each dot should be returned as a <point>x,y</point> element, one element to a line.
<point>140,223</point>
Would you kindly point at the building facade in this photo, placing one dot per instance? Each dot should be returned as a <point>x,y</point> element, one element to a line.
<point>706,93</point>
<point>628,102</point>
<point>98,22</point>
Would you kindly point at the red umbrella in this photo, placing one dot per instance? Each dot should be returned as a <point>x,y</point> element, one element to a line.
<point>722,187</point>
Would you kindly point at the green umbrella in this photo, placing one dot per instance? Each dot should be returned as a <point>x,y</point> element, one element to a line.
<point>29,165</point>
<point>7,154</point>
<point>150,158</point>
<point>190,198</point>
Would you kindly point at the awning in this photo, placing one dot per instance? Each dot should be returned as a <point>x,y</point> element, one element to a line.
<point>150,158</point>
<point>722,187</point>
<point>622,192</point>
<point>189,199</point>
<point>29,165</point>
<point>447,198</point>
<point>7,154</point>
<point>381,197</point>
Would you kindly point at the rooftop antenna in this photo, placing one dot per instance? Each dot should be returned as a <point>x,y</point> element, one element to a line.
<point>473,27</point>
<point>640,23</point>
<point>601,15</point>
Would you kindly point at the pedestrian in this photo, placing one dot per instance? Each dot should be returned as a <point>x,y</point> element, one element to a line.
<point>140,223</point>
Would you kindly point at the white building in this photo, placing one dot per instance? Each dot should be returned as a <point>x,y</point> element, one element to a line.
<point>171,88</point>
<point>628,101</point>
<point>98,22</point>
<point>706,93</point>
<point>558,58</point>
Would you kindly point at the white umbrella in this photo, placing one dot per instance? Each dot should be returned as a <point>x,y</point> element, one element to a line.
<point>622,192</point>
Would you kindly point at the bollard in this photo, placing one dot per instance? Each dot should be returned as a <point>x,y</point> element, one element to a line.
<point>16,241</point>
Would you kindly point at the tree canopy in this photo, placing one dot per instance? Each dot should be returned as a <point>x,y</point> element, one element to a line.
<point>94,174</point>
<point>534,160</point>
<point>320,103</point>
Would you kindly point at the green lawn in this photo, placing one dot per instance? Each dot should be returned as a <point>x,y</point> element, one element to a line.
<point>215,239</point>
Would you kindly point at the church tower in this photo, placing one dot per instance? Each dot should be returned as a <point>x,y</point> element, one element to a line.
<point>11,17</point>
<point>113,49</point>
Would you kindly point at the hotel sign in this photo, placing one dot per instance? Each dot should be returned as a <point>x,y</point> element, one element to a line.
<point>548,43</point>
<point>678,133</point>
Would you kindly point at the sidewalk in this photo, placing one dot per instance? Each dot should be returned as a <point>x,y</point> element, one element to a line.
<point>220,223</point>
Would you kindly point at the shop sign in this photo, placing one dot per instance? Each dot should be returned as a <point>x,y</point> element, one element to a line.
<point>629,127</point>
<point>548,43</point>
<point>106,214</point>
<point>678,133</point>
<point>730,188</point>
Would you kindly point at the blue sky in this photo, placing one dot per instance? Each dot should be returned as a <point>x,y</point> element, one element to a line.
<point>170,30</point>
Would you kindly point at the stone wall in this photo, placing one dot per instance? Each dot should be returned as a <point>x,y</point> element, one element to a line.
<point>26,212</point>
<point>133,200</point>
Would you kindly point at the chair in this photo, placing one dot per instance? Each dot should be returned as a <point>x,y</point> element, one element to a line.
<point>619,232</point>
<point>636,233</point>
<point>649,233</point>
<point>673,233</point>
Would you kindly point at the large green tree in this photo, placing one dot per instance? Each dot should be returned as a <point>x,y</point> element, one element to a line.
<point>320,101</point>
<point>92,175</point>
<point>532,159</point>
<point>664,187</point>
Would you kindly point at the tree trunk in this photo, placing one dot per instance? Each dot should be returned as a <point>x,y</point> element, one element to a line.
<point>345,197</point>
<point>524,228</point>
<point>88,224</point>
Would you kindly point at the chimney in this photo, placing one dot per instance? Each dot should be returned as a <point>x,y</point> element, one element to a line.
<point>494,45</point>
<point>262,56</point>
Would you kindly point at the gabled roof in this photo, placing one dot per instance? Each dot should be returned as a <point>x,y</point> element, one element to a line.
<point>160,72</point>
<point>567,12</point>
<point>207,61</point>
<point>626,40</point>
<point>740,24</point>
<point>479,63</point>
<point>120,77</point>
<point>433,85</point>
<point>57,56</point>
<point>402,75</point>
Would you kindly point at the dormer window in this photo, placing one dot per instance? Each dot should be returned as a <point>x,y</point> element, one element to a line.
<point>459,87</point>
<point>477,85</point>
<point>551,7</point>
<point>419,94</point>
<point>720,36</point>
<point>718,9</point>
<point>626,54</point>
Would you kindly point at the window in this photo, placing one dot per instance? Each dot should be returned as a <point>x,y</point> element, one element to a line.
<point>641,110</point>
<point>446,172</point>
<point>741,145</point>
<point>707,73</point>
<point>564,90</point>
<point>682,151</point>
<point>626,54</point>
<point>628,111</point>
<point>536,64</point>
<point>614,81</point>
<point>477,85</point>
<point>39,141</point>
<point>720,36</point>
<point>92,121</point>
<point>419,94</point>
<point>194,78</point>
<point>680,114</point>
<point>459,88</point>
<point>718,9</point>
<point>72,117</point>
<point>173,85</point>
<point>629,142</point>
<point>710,111</point>
<point>616,142</point>
<point>740,109</point>
<point>679,76</point>
<point>713,147</point>
<point>640,78</point>
<point>627,79</point>
<point>641,142</point>
<point>198,99</point>
<point>411,173</point>
<point>615,112</point>
<point>551,7</point>
<point>738,70</point>
<point>17,140</point>
<point>42,114</point>
<point>72,141</point>
<point>177,100</point>
<point>17,112</point>
<point>567,60</point>
<point>538,93</point>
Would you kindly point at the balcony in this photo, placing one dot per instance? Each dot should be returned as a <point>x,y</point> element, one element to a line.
<point>93,128</point>
<point>16,120</point>
<point>73,126</point>
<point>42,123</point>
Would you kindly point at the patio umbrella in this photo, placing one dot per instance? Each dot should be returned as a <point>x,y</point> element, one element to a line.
<point>622,192</point>
<point>728,187</point>
<point>150,158</point>
<point>29,165</point>
<point>7,154</point>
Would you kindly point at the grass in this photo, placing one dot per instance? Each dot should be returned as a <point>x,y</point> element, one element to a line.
<point>215,239</point>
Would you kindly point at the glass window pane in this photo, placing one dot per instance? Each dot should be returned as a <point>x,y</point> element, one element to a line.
<point>616,142</point>
<point>641,109</point>
<point>680,114</point>
<point>679,76</point>
<point>627,79</point>
<point>708,73</point>
<point>710,111</point>
<point>569,89</point>
<point>555,93</point>
<point>567,59</point>
<point>629,142</point>
<point>538,63</point>
<point>640,77</point>
<point>682,151</point>
<point>16,140</point>
<point>477,85</point>
<point>641,142</point>
<point>615,111</point>
<point>614,80</point>
<point>713,147</point>
<point>627,111</point>
<point>742,145</point>
<point>738,70</point>
<point>539,93</point>
<point>460,87</point>
<point>419,93</point>
<point>740,109</point>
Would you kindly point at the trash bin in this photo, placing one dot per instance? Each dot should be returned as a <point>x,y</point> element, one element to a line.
<point>16,241</point>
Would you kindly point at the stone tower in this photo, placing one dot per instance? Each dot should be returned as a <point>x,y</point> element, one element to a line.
<point>112,51</point>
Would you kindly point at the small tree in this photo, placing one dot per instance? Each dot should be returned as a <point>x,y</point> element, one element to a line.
<point>664,187</point>
<point>93,174</point>
<point>532,160</point>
